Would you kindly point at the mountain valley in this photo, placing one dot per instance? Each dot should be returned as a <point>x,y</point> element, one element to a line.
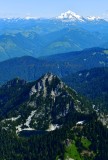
<point>30,68</point>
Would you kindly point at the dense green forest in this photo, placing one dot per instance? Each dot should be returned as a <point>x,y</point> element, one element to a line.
<point>89,141</point>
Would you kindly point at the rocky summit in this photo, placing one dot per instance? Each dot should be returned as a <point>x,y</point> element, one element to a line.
<point>39,105</point>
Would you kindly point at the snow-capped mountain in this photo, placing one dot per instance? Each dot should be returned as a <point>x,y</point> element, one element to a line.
<point>72,16</point>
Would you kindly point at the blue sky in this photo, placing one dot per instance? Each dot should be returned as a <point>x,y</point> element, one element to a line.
<point>52,8</point>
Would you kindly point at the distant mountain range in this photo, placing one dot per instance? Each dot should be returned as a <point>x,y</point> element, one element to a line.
<point>41,37</point>
<point>69,15</point>
<point>30,68</point>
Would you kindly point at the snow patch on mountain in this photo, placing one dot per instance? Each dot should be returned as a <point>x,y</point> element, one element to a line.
<point>29,119</point>
<point>93,18</point>
<point>18,128</point>
<point>33,91</point>
<point>53,127</point>
<point>12,119</point>
<point>80,123</point>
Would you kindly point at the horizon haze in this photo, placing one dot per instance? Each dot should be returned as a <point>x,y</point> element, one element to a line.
<point>48,9</point>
